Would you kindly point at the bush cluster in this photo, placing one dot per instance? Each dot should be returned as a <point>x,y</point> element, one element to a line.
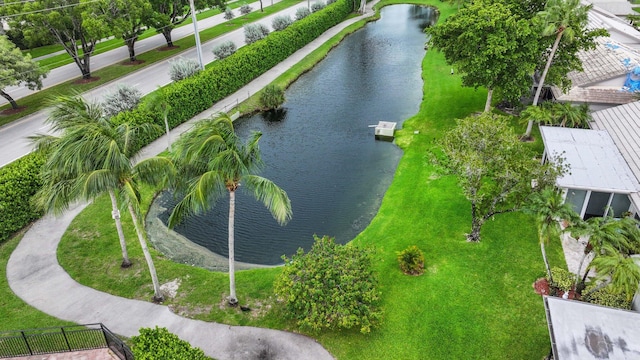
<point>160,344</point>
<point>228,14</point>
<point>562,279</point>
<point>245,9</point>
<point>182,68</point>
<point>302,13</point>
<point>332,286</point>
<point>272,97</point>
<point>224,50</point>
<point>123,98</point>
<point>281,22</point>
<point>255,32</point>
<point>411,260</point>
<point>19,181</point>
<point>606,297</point>
<point>317,6</point>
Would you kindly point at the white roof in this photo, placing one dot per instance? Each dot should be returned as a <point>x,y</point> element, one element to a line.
<point>594,160</point>
<point>583,331</point>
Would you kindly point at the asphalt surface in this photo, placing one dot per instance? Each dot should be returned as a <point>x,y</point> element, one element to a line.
<point>34,274</point>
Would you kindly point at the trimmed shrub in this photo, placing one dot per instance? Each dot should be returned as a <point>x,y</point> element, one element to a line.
<point>255,32</point>
<point>160,344</point>
<point>123,98</point>
<point>228,14</point>
<point>332,286</point>
<point>302,13</point>
<point>245,9</point>
<point>562,279</point>
<point>606,297</point>
<point>182,68</point>
<point>19,181</point>
<point>317,6</point>
<point>225,49</point>
<point>272,97</point>
<point>411,260</point>
<point>281,22</point>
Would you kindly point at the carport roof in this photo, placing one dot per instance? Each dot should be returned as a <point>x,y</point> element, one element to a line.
<point>595,161</point>
<point>583,331</point>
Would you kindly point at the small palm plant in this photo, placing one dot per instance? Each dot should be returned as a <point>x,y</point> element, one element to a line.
<point>411,260</point>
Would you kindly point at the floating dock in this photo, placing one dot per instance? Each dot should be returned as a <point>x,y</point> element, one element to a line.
<point>385,130</point>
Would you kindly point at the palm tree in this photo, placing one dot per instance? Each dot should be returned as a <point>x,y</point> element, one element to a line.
<point>549,208</point>
<point>212,159</point>
<point>562,18</point>
<point>617,270</point>
<point>90,157</point>
<point>572,116</point>
<point>607,234</point>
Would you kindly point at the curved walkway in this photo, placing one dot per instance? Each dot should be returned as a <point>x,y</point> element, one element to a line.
<point>35,276</point>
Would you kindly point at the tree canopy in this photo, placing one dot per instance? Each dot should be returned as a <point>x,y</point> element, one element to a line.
<point>17,69</point>
<point>491,46</point>
<point>70,26</point>
<point>494,169</point>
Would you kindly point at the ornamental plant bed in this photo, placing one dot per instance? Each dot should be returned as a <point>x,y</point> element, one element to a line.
<point>542,287</point>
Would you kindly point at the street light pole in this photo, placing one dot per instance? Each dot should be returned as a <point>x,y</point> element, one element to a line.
<point>196,34</point>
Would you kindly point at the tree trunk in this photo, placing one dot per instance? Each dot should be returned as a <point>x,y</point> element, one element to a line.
<point>115,214</point>
<point>157,293</point>
<point>487,104</point>
<point>476,225</point>
<point>584,256</point>
<point>546,261</point>
<point>13,103</point>
<point>85,66</point>
<point>166,126</point>
<point>544,75</point>
<point>261,9</point>
<point>233,300</point>
<point>363,6</point>
<point>131,42</point>
<point>166,32</point>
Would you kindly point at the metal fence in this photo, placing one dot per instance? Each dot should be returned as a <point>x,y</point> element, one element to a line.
<point>61,339</point>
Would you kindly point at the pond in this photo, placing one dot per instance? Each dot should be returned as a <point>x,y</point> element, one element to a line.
<point>320,148</point>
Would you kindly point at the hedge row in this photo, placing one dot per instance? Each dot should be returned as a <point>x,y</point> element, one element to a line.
<point>19,181</point>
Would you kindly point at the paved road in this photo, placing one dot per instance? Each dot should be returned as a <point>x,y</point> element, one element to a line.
<point>14,137</point>
<point>120,53</point>
<point>33,272</point>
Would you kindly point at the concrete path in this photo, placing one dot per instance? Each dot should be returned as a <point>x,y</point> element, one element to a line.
<point>35,276</point>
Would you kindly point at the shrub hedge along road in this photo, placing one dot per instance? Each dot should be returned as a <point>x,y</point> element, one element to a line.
<point>20,180</point>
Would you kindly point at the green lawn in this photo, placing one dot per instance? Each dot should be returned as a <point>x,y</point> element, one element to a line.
<point>475,301</point>
<point>38,101</point>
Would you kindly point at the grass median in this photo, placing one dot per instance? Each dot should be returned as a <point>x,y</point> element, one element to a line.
<point>474,301</point>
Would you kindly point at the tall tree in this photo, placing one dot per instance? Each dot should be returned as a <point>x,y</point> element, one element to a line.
<point>67,23</point>
<point>494,169</point>
<point>562,18</point>
<point>127,18</point>
<point>90,156</point>
<point>213,159</point>
<point>167,14</point>
<point>18,69</point>
<point>491,46</point>
<point>548,208</point>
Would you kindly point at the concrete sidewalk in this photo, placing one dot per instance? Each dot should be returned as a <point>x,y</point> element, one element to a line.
<point>35,276</point>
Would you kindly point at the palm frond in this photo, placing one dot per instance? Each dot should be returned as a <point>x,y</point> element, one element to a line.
<point>273,197</point>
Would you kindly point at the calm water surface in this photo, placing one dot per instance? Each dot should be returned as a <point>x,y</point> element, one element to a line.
<point>320,148</point>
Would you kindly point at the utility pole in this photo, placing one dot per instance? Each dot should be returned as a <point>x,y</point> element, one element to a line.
<point>196,34</point>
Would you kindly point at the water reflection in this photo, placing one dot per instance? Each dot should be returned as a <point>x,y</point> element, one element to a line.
<point>319,147</point>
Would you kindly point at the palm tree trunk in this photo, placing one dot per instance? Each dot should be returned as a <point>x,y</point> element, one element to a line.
<point>115,213</point>
<point>544,75</point>
<point>233,300</point>
<point>546,261</point>
<point>584,256</point>
<point>157,293</point>
<point>487,104</point>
